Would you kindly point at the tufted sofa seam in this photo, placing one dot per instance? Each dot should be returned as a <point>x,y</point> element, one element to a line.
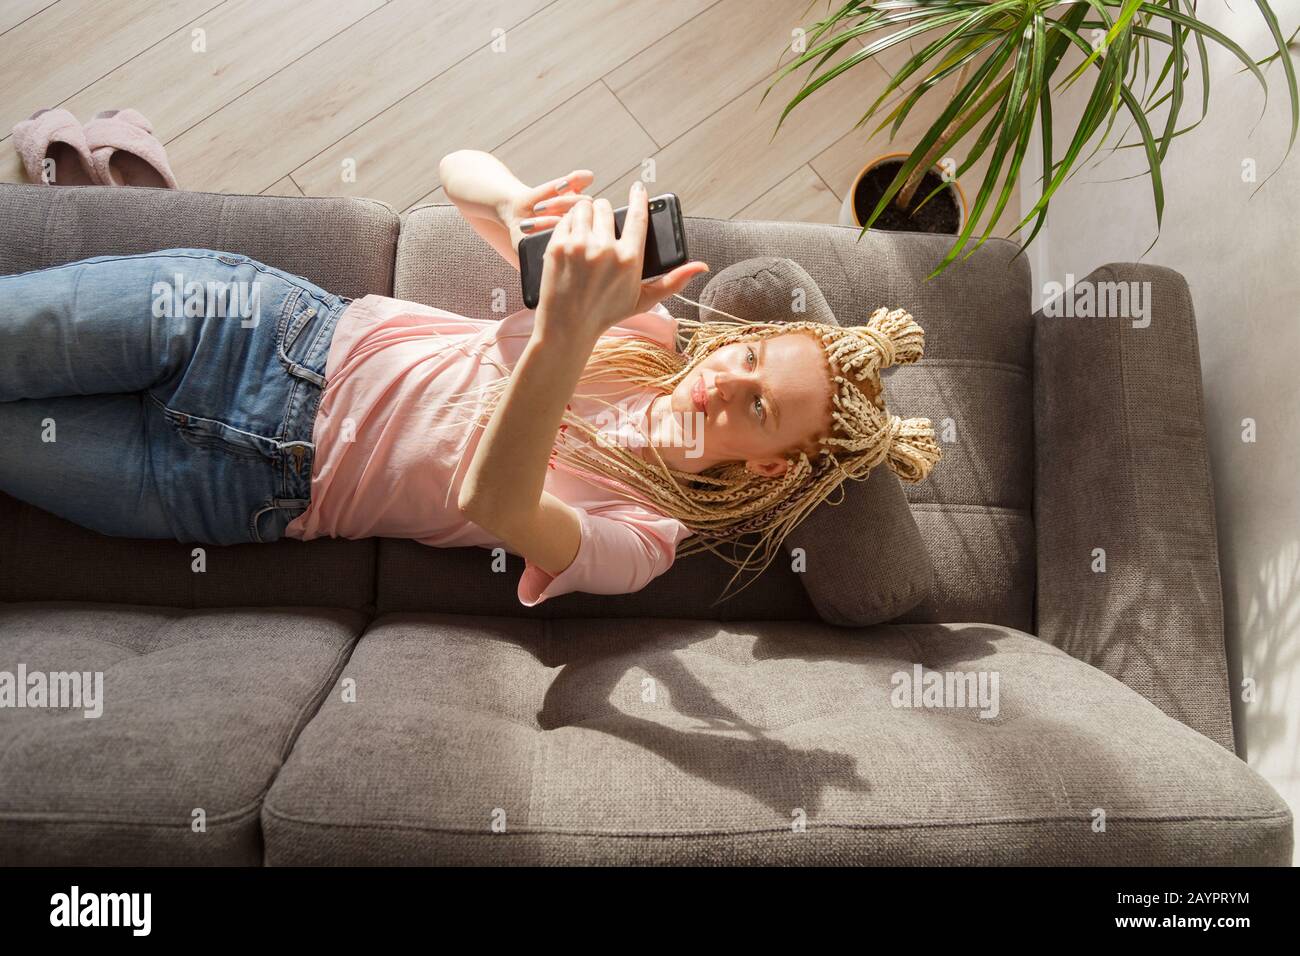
<point>312,706</point>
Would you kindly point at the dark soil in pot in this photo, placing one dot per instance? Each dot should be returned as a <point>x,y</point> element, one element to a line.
<point>942,214</point>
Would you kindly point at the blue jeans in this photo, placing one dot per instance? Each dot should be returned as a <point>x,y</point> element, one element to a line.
<point>166,395</point>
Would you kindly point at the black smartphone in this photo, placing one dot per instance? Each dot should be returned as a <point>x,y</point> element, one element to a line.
<point>665,245</point>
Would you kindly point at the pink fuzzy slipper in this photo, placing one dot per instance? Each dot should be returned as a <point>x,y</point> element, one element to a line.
<point>53,148</point>
<point>124,151</point>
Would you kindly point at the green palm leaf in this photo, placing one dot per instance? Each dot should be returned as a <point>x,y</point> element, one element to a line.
<point>993,65</point>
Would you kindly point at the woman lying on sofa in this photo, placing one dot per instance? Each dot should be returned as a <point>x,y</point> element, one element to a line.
<point>203,396</point>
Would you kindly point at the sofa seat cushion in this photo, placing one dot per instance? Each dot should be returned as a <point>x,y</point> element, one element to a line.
<point>498,740</point>
<point>199,709</point>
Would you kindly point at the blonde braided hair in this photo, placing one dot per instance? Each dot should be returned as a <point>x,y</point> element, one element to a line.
<point>727,503</point>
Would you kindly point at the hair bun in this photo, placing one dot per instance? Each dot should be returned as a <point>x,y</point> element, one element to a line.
<point>898,336</point>
<point>913,450</point>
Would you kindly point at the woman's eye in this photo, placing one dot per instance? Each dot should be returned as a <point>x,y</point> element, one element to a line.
<point>749,355</point>
<point>758,408</point>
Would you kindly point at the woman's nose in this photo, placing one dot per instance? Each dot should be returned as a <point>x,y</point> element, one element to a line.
<point>722,383</point>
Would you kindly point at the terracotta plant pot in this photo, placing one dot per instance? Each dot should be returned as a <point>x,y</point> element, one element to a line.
<point>944,214</point>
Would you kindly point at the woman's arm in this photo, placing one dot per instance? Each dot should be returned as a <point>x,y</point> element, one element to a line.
<point>498,206</point>
<point>503,488</point>
<point>590,281</point>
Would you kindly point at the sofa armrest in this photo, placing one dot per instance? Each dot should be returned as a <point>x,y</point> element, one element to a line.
<point>1122,475</point>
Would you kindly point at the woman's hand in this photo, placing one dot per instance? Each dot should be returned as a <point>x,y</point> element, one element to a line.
<point>532,209</point>
<point>592,280</point>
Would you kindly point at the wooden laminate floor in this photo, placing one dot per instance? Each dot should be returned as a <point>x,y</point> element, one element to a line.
<point>362,97</point>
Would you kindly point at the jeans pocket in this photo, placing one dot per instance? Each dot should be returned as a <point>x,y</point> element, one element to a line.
<point>205,434</point>
<point>267,522</point>
<point>304,336</point>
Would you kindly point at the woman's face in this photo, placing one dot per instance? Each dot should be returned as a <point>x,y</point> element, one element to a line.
<point>760,399</point>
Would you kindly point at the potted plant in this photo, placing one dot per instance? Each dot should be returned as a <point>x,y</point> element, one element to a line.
<point>1005,57</point>
<point>944,213</point>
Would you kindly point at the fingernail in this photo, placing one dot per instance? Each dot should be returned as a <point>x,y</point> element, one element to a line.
<point>638,187</point>
<point>564,184</point>
<point>541,205</point>
<point>527,224</point>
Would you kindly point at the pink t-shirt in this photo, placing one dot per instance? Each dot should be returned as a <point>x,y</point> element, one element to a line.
<point>392,449</point>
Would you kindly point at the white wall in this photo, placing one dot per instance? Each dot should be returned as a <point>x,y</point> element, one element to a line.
<point>1241,256</point>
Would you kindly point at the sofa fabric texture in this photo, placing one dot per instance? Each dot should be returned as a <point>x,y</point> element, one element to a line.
<point>376,701</point>
<point>1124,475</point>
<point>694,742</point>
<point>199,710</point>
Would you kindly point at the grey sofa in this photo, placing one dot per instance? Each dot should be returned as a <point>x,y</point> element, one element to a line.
<point>375,701</point>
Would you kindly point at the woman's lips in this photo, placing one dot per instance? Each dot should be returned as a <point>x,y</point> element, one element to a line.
<point>700,396</point>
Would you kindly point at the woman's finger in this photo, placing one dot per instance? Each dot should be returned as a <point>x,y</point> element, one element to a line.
<point>670,283</point>
<point>538,224</point>
<point>635,224</point>
<point>580,221</point>
<point>557,205</point>
<point>570,185</point>
<point>602,223</point>
<point>561,232</point>
<point>576,181</point>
